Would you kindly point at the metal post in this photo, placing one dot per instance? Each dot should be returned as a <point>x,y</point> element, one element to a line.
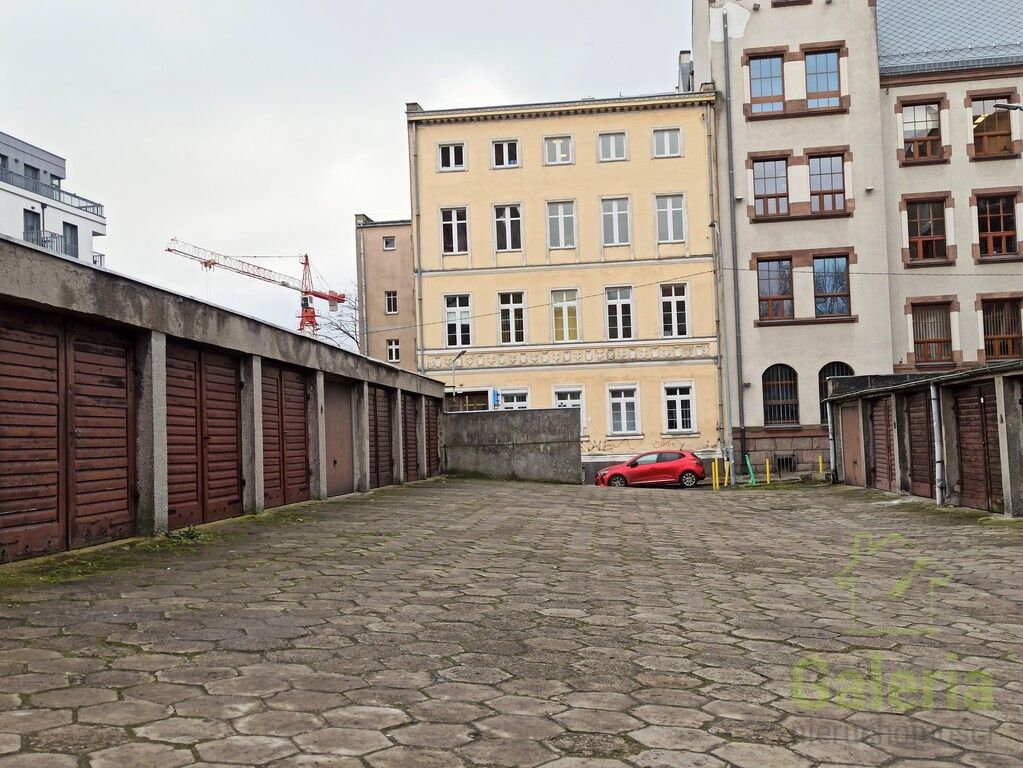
<point>939,446</point>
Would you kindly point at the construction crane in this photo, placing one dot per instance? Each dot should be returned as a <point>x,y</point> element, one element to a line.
<point>307,322</point>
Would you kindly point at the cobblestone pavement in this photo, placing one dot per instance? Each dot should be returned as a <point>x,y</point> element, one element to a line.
<point>495,624</point>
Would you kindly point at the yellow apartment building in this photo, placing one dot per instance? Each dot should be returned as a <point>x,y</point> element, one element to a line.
<point>564,258</point>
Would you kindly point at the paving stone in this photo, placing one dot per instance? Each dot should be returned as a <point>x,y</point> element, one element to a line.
<point>80,696</point>
<point>376,718</point>
<point>343,741</point>
<point>246,750</point>
<point>38,760</point>
<point>149,755</point>
<point>30,720</point>
<point>127,712</point>
<point>78,738</point>
<point>760,756</point>
<point>414,757</point>
<point>185,730</point>
<point>673,737</point>
<point>663,758</point>
<point>597,721</point>
<point>519,727</point>
<point>9,742</point>
<point>513,753</point>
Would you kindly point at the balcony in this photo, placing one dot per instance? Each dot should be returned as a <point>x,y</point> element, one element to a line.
<point>51,241</point>
<point>35,186</point>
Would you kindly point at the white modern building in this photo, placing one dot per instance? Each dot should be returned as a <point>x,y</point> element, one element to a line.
<point>35,208</point>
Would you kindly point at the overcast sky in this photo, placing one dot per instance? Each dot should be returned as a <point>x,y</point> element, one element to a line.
<point>258,127</point>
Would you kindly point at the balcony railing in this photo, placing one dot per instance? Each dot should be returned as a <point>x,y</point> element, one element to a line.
<point>48,190</point>
<point>51,241</point>
<point>99,259</point>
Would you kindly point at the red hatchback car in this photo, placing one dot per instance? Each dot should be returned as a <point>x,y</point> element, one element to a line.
<point>655,468</point>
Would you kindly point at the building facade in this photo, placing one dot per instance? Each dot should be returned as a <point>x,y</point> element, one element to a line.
<point>954,178</point>
<point>35,208</point>
<point>875,193</point>
<point>385,267</point>
<point>803,206</point>
<point>564,258</point>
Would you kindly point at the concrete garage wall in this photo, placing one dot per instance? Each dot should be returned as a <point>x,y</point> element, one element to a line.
<point>541,445</point>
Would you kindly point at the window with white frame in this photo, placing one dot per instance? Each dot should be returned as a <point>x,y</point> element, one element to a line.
<point>668,142</point>
<point>612,146</point>
<point>678,408</point>
<point>512,312</point>
<point>508,227</point>
<point>390,302</point>
<point>557,150</point>
<point>393,351</point>
<point>561,224</point>
<point>623,403</point>
<point>615,220</point>
<point>390,242</point>
<point>565,314</point>
<point>458,320</point>
<point>571,397</point>
<point>505,153</point>
<point>674,310</point>
<point>619,313</point>
<point>514,399</point>
<point>454,225</point>
<point>451,157</point>
<point>670,219</point>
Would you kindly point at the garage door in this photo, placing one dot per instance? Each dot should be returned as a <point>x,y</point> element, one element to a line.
<point>410,435</point>
<point>204,470</point>
<point>851,440</point>
<point>67,429</point>
<point>381,461</point>
<point>102,444</point>
<point>883,463</point>
<point>337,414</point>
<point>285,436</point>
<point>432,437</point>
<point>921,444</point>
<point>980,472</point>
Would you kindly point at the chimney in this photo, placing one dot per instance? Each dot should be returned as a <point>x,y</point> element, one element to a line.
<point>685,72</point>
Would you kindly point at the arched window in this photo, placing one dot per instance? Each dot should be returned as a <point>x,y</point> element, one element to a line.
<point>781,395</point>
<point>831,369</point>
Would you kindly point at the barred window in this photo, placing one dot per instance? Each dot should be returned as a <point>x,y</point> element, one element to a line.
<point>781,395</point>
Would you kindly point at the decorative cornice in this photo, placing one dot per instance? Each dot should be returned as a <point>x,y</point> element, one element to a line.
<point>598,353</point>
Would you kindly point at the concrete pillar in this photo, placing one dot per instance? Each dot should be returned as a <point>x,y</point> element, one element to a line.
<point>421,437</point>
<point>316,419</point>
<point>252,433</point>
<point>1010,436</point>
<point>151,432</point>
<point>397,437</point>
<point>360,435</point>
<point>950,446</point>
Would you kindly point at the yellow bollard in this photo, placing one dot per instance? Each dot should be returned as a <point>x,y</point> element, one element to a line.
<point>728,469</point>
<point>820,463</point>
<point>714,474</point>
<point>767,469</point>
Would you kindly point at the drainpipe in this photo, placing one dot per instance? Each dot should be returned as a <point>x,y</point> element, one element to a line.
<point>363,296</point>
<point>418,247</point>
<point>740,393</point>
<point>939,444</point>
<point>724,420</point>
<point>832,450</point>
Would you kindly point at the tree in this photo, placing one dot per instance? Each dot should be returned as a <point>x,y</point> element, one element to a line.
<point>342,327</point>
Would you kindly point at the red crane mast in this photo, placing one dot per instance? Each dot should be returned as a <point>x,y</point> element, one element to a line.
<point>307,320</point>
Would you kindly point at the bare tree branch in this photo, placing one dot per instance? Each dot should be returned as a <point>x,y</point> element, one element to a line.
<point>342,327</point>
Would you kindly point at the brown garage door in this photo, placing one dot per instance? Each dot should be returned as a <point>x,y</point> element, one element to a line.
<point>33,519</point>
<point>102,430</point>
<point>285,436</point>
<point>381,461</point>
<point>432,437</point>
<point>67,423</point>
<point>851,439</point>
<point>337,415</point>
<point>883,464</point>
<point>980,471</point>
<point>410,435</point>
<point>204,470</point>
<point>921,443</point>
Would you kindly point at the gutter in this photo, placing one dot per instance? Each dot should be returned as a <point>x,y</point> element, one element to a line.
<point>363,294</point>
<point>414,141</point>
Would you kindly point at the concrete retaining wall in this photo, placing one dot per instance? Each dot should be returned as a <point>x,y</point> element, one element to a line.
<point>540,445</point>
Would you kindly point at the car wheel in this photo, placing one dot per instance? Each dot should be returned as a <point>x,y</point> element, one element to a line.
<point>617,481</point>
<point>688,479</point>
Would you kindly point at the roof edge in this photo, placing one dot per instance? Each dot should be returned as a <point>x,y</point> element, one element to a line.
<point>617,103</point>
